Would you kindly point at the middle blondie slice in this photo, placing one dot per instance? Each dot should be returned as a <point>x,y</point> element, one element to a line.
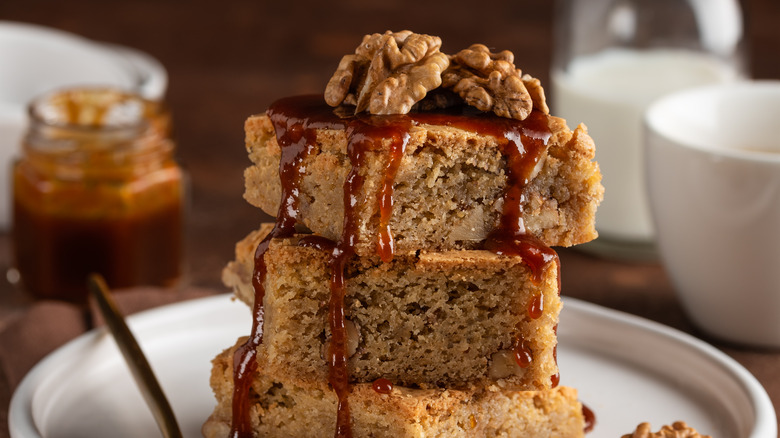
<point>446,318</point>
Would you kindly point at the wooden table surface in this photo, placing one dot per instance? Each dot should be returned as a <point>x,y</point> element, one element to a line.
<point>230,59</point>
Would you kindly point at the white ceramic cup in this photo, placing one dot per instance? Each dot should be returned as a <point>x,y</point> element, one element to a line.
<point>713,174</point>
<point>35,60</point>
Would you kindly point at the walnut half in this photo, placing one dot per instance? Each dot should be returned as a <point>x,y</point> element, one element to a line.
<point>491,82</point>
<point>388,73</point>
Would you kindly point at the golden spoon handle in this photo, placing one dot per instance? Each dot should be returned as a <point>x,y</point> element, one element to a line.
<point>134,356</point>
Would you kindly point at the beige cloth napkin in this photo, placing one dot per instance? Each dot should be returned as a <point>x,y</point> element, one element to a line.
<point>47,325</point>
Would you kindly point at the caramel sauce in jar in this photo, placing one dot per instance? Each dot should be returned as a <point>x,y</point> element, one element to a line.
<point>97,189</point>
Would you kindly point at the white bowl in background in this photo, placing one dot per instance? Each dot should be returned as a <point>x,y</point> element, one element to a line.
<point>36,60</point>
<point>713,172</point>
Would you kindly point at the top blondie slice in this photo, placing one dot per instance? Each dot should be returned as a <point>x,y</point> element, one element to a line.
<point>448,191</point>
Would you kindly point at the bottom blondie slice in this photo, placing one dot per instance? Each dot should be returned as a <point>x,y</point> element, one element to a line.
<point>285,408</point>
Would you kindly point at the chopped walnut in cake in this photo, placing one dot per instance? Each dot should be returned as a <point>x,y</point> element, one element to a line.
<point>395,72</point>
<point>678,429</point>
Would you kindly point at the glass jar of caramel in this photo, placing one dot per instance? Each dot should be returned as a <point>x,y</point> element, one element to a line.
<point>97,189</point>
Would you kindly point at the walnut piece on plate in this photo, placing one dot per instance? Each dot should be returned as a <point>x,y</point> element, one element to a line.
<point>388,73</point>
<point>678,429</point>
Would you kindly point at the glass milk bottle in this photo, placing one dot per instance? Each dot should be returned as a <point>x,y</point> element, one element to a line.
<point>612,58</point>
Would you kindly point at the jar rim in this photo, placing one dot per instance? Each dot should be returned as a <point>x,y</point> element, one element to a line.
<point>94,109</point>
<point>59,133</point>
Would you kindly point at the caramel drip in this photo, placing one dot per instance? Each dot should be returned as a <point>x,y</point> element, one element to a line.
<point>382,386</point>
<point>317,242</point>
<point>337,354</point>
<point>555,379</point>
<point>524,148</point>
<point>338,373</point>
<point>296,135</point>
<point>523,354</point>
<point>386,246</point>
<point>589,417</point>
<point>525,145</point>
<point>364,136</point>
<point>244,358</point>
<point>536,306</point>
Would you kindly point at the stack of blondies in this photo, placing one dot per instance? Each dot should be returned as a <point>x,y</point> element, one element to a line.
<point>434,225</point>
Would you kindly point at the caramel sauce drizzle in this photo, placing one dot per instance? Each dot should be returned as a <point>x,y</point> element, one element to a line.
<point>589,417</point>
<point>536,306</point>
<point>522,351</point>
<point>525,145</point>
<point>385,244</point>
<point>523,149</point>
<point>296,135</point>
<point>295,120</point>
<point>382,386</point>
<point>364,136</point>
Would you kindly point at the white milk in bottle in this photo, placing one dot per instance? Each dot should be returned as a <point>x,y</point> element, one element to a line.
<point>609,92</point>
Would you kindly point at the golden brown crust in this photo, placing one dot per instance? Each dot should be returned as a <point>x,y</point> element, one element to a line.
<point>447,318</point>
<point>448,191</point>
<point>282,407</point>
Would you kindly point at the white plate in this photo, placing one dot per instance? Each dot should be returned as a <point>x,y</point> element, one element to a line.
<point>627,369</point>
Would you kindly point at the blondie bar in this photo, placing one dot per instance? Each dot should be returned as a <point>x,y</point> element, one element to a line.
<point>283,407</point>
<point>445,318</point>
<point>448,188</point>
